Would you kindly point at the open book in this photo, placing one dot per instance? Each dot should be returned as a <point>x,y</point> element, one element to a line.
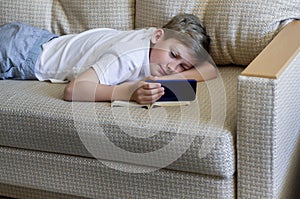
<point>149,106</point>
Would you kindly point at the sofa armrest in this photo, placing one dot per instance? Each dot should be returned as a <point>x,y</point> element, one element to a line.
<point>268,118</point>
<point>273,60</point>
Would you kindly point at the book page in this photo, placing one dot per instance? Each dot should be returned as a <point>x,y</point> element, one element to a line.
<point>118,103</point>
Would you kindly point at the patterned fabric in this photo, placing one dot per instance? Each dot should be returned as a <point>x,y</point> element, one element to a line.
<point>70,16</point>
<point>239,29</point>
<point>51,124</point>
<point>86,177</point>
<point>268,133</point>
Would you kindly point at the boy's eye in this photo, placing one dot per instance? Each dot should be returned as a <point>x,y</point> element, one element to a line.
<point>184,67</point>
<point>173,54</point>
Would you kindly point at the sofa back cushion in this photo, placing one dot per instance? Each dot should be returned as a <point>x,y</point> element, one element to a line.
<point>70,16</point>
<point>239,29</point>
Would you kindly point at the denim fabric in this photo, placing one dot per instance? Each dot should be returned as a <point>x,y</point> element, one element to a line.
<point>20,47</point>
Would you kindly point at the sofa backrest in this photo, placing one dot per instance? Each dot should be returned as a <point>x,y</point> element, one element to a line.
<point>239,29</point>
<point>70,16</point>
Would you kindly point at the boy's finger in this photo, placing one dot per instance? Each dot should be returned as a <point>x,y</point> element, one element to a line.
<point>151,98</point>
<point>151,85</point>
<point>155,91</point>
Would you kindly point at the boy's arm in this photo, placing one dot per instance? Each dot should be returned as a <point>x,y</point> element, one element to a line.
<point>86,87</point>
<point>201,73</point>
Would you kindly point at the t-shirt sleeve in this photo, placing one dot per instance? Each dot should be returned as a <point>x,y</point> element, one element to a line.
<point>125,61</point>
<point>113,69</point>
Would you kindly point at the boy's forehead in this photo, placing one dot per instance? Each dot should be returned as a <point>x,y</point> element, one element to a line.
<point>190,55</point>
<point>186,53</point>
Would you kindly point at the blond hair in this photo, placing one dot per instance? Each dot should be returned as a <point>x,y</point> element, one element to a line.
<point>192,33</point>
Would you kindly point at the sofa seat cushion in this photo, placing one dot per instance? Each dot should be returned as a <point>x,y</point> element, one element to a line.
<point>196,138</point>
<point>38,175</point>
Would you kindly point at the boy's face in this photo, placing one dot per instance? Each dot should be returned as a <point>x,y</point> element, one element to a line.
<point>169,57</point>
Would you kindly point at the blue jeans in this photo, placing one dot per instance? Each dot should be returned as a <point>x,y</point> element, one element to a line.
<point>20,47</point>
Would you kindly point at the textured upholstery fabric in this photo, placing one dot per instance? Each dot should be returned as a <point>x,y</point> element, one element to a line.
<point>70,16</point>
<point>31,193</point>
<point>86,177</point>
<point>239,29</point>
<point>268,127</point>
<point>47,124</point>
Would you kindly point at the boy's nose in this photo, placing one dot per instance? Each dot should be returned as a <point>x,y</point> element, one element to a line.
<point>172,66</point>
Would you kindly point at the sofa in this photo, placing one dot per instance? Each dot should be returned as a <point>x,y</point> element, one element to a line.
<point>238,139</point>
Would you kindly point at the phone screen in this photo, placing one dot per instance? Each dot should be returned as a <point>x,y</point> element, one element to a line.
<point>178,90</point>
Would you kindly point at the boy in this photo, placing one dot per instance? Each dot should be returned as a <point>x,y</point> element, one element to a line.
<point>105,64</point>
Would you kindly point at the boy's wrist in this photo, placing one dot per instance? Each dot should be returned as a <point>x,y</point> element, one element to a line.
<point>122,92</point>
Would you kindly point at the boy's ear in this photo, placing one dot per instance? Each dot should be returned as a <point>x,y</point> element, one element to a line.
<point>157,35</point>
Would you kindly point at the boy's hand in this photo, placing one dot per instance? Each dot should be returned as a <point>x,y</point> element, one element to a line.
<point>86,87</point>
<point>147,92</point>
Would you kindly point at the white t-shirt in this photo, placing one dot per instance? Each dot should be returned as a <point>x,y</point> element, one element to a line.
<point>116,56</point>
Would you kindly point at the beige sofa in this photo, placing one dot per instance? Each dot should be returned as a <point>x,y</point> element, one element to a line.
<point>239,139</point>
